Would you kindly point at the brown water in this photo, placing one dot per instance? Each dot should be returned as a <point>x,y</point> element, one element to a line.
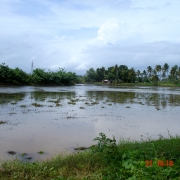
<point>73,116</point>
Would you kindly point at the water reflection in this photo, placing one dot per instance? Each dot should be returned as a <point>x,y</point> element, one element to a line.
<point>13,98</point>
<point>150,99</point>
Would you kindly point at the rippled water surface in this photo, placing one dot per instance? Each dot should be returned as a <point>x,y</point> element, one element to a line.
<point>56,119</point>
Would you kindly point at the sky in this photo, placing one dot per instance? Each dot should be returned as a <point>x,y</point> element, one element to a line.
<point>81,34</point>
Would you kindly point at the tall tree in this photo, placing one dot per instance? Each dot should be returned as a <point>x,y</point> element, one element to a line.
<point>178,73</point>
<point>100,73</point>
<point>91,75</point>
<point>138,72</point>
<point>173,72</point>
<point>166,69</point>
<point>158,69</point>
<point>132,74</point>
<point>144,74</point>
<point>115,71</point>
<point>149,70</point>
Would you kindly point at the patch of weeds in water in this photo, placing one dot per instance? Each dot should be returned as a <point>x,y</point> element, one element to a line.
<point>82,107</point>
<point>127,107</point>
<point>13,103</point>
<point>74,100</point>
<point>12,113</point>
<point>158,108</point>
<point>70,117</point>
<point>50,106</point>
<point>23,154</point>
<point>41,152</point>
<point>3,122</point>
<point>12,152</point>
<point>55,101</point>
<point>23,106</point>
<point>57,104</point>
<point>102,107</point>
<point>71,103</point>
<point>36,105</point>
<point>141,103</point>
<point>110,104</point>
<point>94,103</point>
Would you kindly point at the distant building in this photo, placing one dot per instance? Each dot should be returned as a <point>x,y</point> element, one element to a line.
<point>105,81</point>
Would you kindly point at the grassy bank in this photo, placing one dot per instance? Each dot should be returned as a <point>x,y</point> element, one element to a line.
<point>106,160</point>
<point>138,84</point>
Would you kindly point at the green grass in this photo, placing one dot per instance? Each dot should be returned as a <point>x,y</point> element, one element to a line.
<point>161,84</point>
<point>107,160</point>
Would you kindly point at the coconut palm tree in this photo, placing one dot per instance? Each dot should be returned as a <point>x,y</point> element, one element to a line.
<point>154,72</point>
<point>166,69</point>
<point>158,69</point>
<point>138,73</point>
<point>173,72</point>
<point>149,70</point>
<point>144,74</point>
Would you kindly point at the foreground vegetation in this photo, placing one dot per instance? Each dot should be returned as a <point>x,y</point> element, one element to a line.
<point>9,76</point>
<point>106,160</point>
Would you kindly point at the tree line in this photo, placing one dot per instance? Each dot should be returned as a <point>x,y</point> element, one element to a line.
<point>115,73</point>
<point>38,77</point>
<point>122,73</point>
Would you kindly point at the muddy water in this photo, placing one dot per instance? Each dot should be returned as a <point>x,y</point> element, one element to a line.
<point>56,119</point>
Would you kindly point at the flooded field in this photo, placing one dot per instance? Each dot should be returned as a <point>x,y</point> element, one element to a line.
<point>38,122</point>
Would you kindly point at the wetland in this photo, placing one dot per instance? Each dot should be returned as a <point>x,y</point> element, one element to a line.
<point>36,123</point>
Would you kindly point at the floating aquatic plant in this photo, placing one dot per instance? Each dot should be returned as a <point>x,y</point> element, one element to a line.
<point>37,105</point>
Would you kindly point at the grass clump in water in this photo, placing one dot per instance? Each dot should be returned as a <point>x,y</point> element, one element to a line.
<point>41,152</point>
<point>13,103</point>
<point>94,103</point>
<point>55,101</point>
<point>70,102</point>
<point>23,106</point>
<point>37,105</point>
<point>3,122</point>
<point>82,107</point>
<point>106,160</point>
<point>23,154</point>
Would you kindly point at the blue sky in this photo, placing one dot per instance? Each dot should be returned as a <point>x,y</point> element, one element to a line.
<point>80,34</point>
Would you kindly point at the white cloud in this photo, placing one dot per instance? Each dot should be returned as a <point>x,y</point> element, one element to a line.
<point>108,31</point>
